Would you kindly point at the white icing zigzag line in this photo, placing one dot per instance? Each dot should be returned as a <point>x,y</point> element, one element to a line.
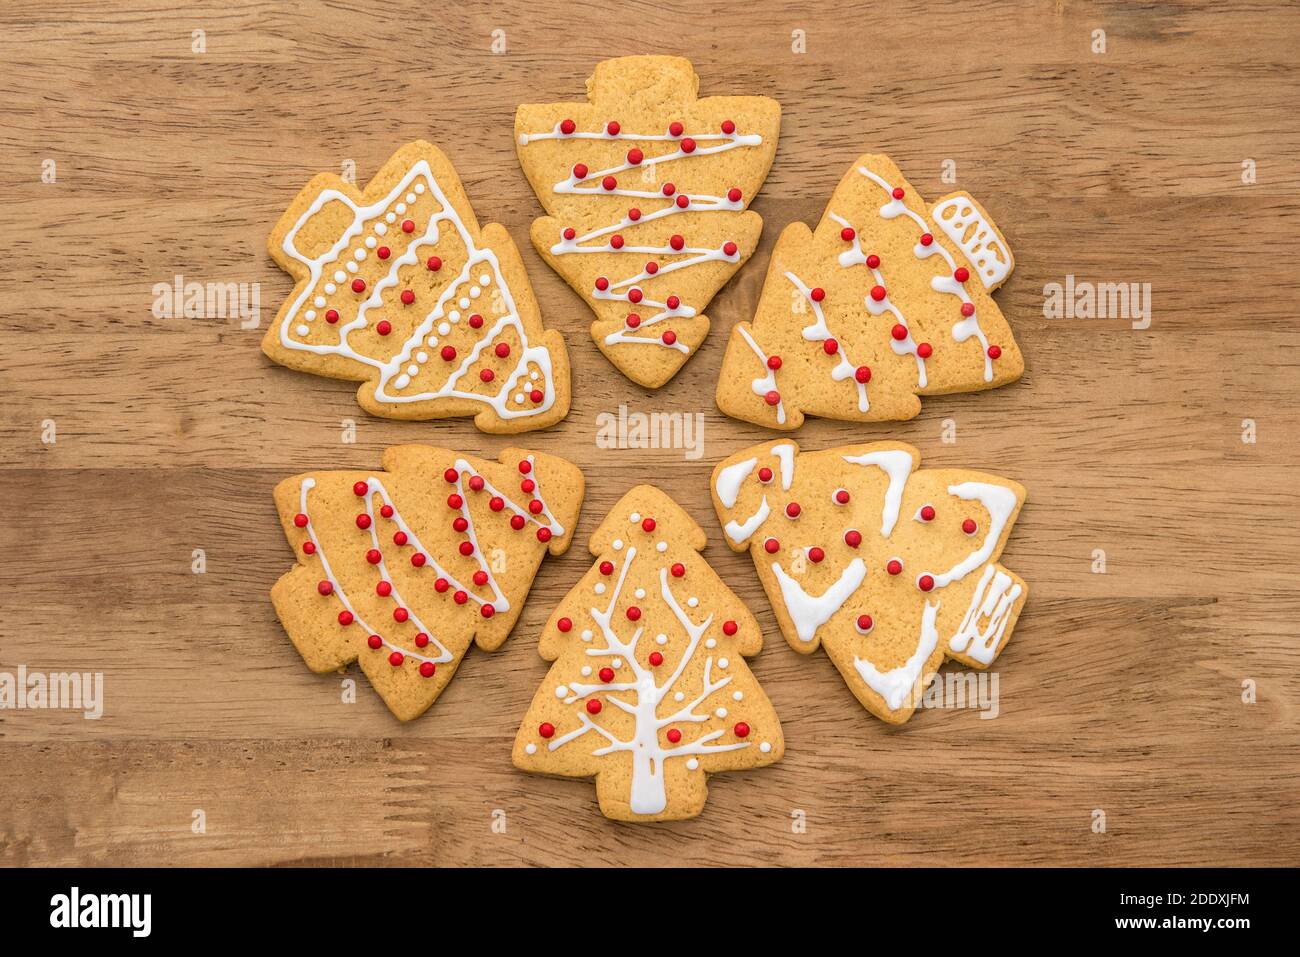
<point>698,203</point>
<point>895,684</point>
<point>820,332</point>
<point>897,466</point>
<point>648,755</point>
<point>766,384</point>
<point>994,603</point>
<point>307,485</point>
<point>964,328</point>
<point>1000,503</point>
<point>391,370</point>
<point>808,613</point>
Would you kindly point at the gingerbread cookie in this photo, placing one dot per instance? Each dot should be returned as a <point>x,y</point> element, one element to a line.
<point>401,569</point>
<point>891,298</point>
<point>398,288</point>
<point>889,568</point>
<point>645,187</point>
<point>649,690</point>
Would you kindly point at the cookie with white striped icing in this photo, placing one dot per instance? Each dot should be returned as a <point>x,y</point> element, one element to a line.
<point>889,299</point>
<point>889,567</point>
<point>400,569</point>
<point>646,189</point>
<point>398,288</point>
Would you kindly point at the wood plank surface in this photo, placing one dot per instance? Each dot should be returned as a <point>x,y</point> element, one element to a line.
<point>1121,693</point>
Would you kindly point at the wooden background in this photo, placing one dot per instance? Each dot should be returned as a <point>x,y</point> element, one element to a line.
<point>1120,692</point>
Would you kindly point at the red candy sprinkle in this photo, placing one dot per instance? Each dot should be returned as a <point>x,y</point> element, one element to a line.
<point>995,352</point>
<point>865,623</point>
<point>408,297</point>
<point>675,128</point>
<point>818,294</point>
<point>537,395</point>
<point>448,353</point>
<point>345,618</point>
<point>607,675</point>
<point>569,233</point>
<point>668,189</point>
<point>688,145</point>
<point>567,126</point>
<point>331,316</point>
<point>580,171</point>
<point>616,241</point>
<point>734,194</point>
<point>467,548</point>
<point>460,524</point>
<point>421,640</point>
<point>862,374</point>
<point>683,201</point>
<point>847,234</point>
<point>729,627</point>
<point>676,242</point>
<point>602,283</point>
<point>968,308</point>
<point>873,261</point>
<point>730,249</point>
<point>792,510</point>
<point>612,128</point>
<point>374,556</point>
<point>815,554</point>
<point>772,398</point>
<point>396,659</point>
<point>927,513</point>
<point>830,347</point>
<point>487,611</point>
<point>565,624</point>
<point>741,729</point>
<point>878,293</point>
<point>418,559</point>
<point>765,474</point>
<point>441,585</point>
<point>480,577</point>
<point>669,337</point>
<point>517,522</point>
<point>925,350</point>
<point>898,192</point>
<point>374,641</point>
<point>502,350</point>
<point>771,546</point>
<point>383,327</point>
<point>383,589</point>
<point>408,226</point>
<point>925,582</point>
<point>853,538</point>
<point>543,534</point>
<point>969,526</point>
<point>635,295</point>
<point>487,375</point>
<point>899,331</point>
<point>633,320</point>
<point>386,511</point>
<point>400,614</point>
<point>383,252</point>
<point>363,521</point>
<point>593,706</point>
<point>476,321</point>
<point>672,302</point>
<point>895,567</point>
<point>927,239</point>
<point>961,274</point>
<point>309,548</point>
<point>678,570</point>
<point>635,156</point>
<point>656,659</point>
<point>360,488</point>
<point>358,285</point>
<point>451,476</point>
<point>427,668</point>
<point>634,214</point>
<point>546,729</point>
<point>651,267</point>
<point>434,263</point>
<point>728,127</point>
<point>476,483</point>
<point>535,506</point>
<point>774,362</point>
<point>842,496</point>
<point>673,735</point>
<point>634,613</point>
<point>648,525</point>
<point>496,503</point>
<point>460,597</point>
<point>609,183</point>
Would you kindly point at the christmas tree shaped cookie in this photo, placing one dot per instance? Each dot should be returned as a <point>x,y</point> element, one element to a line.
<point>649,690</point>
<point>646,188</point>
<point>397,287</point>
<point>891,298</point>
<point>890,569</point>
<point>400,569</point>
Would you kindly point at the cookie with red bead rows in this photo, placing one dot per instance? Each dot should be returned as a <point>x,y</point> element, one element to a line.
<point>646,189</point>
<point>649,690</point>
<point>400,569</point>
<point>889,299</point>
<point>397,287</point>
<point>889,567</point>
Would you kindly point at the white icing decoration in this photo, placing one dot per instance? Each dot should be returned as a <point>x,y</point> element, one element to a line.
<point>895,684</point>
<point>845,370</point>
<point>897,466</point>
<point>738,532</point>
<point>994,602</point>
<point>761,387</point>
<point>1000,503</point>
<point>808,613</point>
<point>730,479</point>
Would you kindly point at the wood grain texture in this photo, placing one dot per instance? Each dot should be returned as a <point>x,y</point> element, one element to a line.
<point>1119,691</point>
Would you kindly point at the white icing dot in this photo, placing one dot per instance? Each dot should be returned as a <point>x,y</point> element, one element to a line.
<point>410,197</point>
<point>661,547</point>
<point>661,639</point>
<point>454,316</point>
<point>399,208</point>
<point>402,381</point>
<point>319,302</point>
<point>302,330</point>
<point>432,341</point>
<point>561,691</point>
<point>352,268</point>
<point>310,315</point>
<point>530,748</point>
<point>359,255</point>
<point>586,634</point>
<point>330,289</point>
<point>723,662</point>
<point>679,696</point>
<point>721,712</point>
<point>419,187</point>
<point>693,764</point>
<point>412,369</point>
<point>586,671</point>
<point>463,302</point>
<point>533,375</point>
<point>692,602</point>
<point>738,696</point>
<point>390,217</point>
<point>634,517</point>
<point>339,275</point>
<point>618,662</point>
<point>485,280</point>
<point>519,398</point>
<point>600,588</point>
<point>618,544</point>
<point>765,747</point>
<point>380,229</point>
<point>371,242</point>
<point>475,292</point>
<point>444,328</point>
<point>422,356</point>
<point>710,643</point>
<point>640,593</point>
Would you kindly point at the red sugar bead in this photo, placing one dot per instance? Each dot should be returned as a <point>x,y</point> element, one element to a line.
<point>669,337</point>
<point>730,249</point>
<point>569,233</point>
<point>363,521</point>
<point>383,252</point>
<point>729,627</point>
<point>873,261</point>
<point>635,156</point>
<point>675,128</point>
<point>408,297</point>
<point>374,556</point>
<point>673,735</point>
<point>815,554</point>
<point>925,582</point>
<point>593,706</point>
<point>613,128</point>
<point>633,320</point>
<point>386,511</point>
<point>396,659</point>
<point>792,510</point>
<point>427,668</point>
<point>460,524</point>
<point>567,126</point>
<point>616,241</point>
<point>467,548</point>
<point>683,201</point>
<point>672,302</point>
<point>648,525</point>
<point>565,624</point>
<point>480,577</point>
<point>688,145</point>
<point>927,513</point>
<point>961,274</point>
<point>774,362</point>
<point>607,568</point>
<point>331,316</point>
<point>408,226</point>
<point>434,263</point>
<point>360,488</point>
<point>772,398</point>
<point>995,352</point>
<point>487,611</point>
<point>865,623</point>
<point>609,183</point>
<point>634,214</point>
<point>535,506</point>
<point>678,570</point>
<point>527,485</point>
<point>546,729</point>
<point>383,589</point>
<point>476,321</point>
<point>517,522</point>
<point>487,375</point>
<point>460,597</point>
<point>853,538</point>
<point>635,295</point>
<point>383,327</point>
<point>818,294</point>
<point>656,659</point>
<point>734,194</point>
<point>842,496</point>
<point>537,395</point>
<point>496,503</point>
<point>421,640</point>
<point>580,171</point>
<point>502,350</point>
<point>969,526</point>
<point>728,127</point>
<point>476,483</point>
<point>968,308</point>
<point>676,242</point>
<point>847,234</point>
<point>441,585</point>
<point>741,729</point>
<point>358,285</point>
<point>451,476</point>
<point>927,239</point>
<point>898,192</point>
<point>309,548</point>
<point>899,331</point>
<point>448,353</point>
<point>668,189</point>
<point>830,347</point>
<point>345,618</point>
<point>895,567</point>
<point>925,350</point>
<point>634,613</point>
<point>878,293</point>
<point>862,374</point>
<point>400,614</point>
<point>602,283</point>
<point>418,559</point>
<point>374,641</point>
<point>607,675</point>
<point>771,546</point>
<point>543,534</point>
<point>765,474</point>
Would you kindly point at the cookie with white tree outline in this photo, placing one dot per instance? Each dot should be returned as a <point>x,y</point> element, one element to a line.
<point>396,287</point>
<point>401,569</point>
<point>889,299</point>
<point>888,567</point>
<point>649,690</point>
<point>646,189</point>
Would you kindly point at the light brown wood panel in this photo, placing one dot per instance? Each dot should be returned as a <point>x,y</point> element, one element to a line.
<point>1120,692</point>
